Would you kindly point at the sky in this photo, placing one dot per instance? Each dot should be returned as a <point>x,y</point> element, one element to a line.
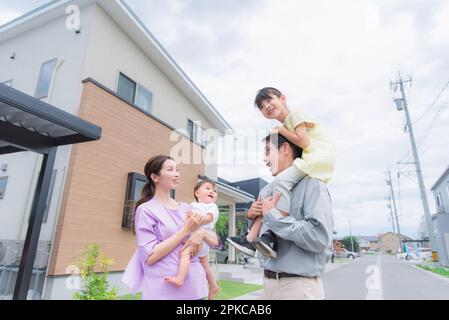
<point>334,60</point>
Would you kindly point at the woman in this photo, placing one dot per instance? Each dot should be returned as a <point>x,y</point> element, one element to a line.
<point>163,227</point>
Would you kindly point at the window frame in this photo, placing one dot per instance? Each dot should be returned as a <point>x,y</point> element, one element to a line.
<point>439,202</point>
<point>196,130</point>
<point>128,207</point>
<point>137,88</point>
<point>141,87</point>
<point>120,74</point>
<point>50,84</point>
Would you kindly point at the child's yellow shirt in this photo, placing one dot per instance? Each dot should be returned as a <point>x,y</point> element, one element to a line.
<point>318,160</point>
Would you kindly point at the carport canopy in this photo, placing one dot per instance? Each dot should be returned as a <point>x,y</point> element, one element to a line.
<point>29,124</point>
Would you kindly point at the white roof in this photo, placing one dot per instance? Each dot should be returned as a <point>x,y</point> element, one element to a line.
<point>122,14</point>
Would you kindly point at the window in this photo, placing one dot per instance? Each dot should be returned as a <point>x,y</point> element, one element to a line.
<point>126,88</point>
<point>45,78</point>
<point>191,129</point>
<point>8,83</point>
<point>438,198</point>
<point>135,93</point>
<point>196,133</point>
<point>144,99</point>
<point>3,182</point>
<point>134,187</point>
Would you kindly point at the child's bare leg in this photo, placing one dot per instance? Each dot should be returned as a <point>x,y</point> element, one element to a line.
<point>213,285</point>
<point>255,229</point>
<point>184,264</point>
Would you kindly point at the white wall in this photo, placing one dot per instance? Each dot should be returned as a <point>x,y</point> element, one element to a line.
<point>32,48</point>
<point>111,51</point>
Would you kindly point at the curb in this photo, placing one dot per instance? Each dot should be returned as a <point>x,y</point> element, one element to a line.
<point>259,293</point>
<point>433,274</point>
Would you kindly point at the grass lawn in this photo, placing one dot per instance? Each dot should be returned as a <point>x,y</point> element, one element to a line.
<point>228,290</point>
<point>440,271</point>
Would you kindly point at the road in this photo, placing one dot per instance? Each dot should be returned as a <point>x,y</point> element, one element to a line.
<point>381,277</point>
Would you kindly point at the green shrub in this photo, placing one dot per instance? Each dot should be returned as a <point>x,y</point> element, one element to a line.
<point>95,284</point>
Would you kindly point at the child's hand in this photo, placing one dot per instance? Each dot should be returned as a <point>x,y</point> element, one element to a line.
<point>275,130</point>
<point>270,203</point>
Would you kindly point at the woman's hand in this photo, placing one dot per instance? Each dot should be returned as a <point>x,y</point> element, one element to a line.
<point>192,221</point>
<point>195,242</point>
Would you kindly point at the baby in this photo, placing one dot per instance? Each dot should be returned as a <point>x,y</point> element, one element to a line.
<point>205,193</point>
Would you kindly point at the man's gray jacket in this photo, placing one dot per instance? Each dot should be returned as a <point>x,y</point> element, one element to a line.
<point>305,236</point>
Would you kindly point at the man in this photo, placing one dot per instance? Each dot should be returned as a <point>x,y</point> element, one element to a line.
<point>304,236</point>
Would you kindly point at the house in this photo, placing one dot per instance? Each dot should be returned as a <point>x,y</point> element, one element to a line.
<point>388,242</point>
<point>111,71</point>
<point>251,186</point>
<point>440,220</point>
<point>368,242</point>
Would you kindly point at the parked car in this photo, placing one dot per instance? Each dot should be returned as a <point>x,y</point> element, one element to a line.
<point>424,254</point>
<point>344,253</point>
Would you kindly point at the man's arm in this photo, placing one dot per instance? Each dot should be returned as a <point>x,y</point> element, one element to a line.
<point>312,234</point>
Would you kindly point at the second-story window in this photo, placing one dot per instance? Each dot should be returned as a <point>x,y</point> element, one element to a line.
<point>196,133</point>
<point>126,88</point>
<point>439,204</point>
<point>144,98</point>
<point>45,79</point>
<point>135,93</point>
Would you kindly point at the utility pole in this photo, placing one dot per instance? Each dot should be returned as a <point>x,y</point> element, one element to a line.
<point>393,200</point>
<point>401,103</point>
<point>390,207</point>
<point>350,234</point>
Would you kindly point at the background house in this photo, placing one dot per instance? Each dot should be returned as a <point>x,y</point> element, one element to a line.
<point>112,72</point>
<point>388,242</point>
<point>369,242</point>
<point>440,220</point>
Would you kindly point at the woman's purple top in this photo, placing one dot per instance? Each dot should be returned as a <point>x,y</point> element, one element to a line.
<point>155,223</point>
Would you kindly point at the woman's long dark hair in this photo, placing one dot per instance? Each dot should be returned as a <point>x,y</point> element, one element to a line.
<point>153,166</point>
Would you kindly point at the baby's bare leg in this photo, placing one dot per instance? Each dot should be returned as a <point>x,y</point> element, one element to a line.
<point>213,285</point>
<point>184,264</point>
<point>255,229</point>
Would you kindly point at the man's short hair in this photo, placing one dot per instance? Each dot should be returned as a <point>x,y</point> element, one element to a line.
<point>278,140</point>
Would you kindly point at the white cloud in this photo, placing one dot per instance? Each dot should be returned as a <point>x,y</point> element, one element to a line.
<point>336,61</point>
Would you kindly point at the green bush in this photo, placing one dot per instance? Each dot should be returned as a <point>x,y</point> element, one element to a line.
<point>95,284</point>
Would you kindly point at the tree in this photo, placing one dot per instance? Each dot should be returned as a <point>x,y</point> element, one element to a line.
<point>346,243</point>
<point>222,227</point>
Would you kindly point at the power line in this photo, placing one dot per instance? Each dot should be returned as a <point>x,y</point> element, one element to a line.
<point>401,104</point>
<point>428,129</point>
<point>432,104</point>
